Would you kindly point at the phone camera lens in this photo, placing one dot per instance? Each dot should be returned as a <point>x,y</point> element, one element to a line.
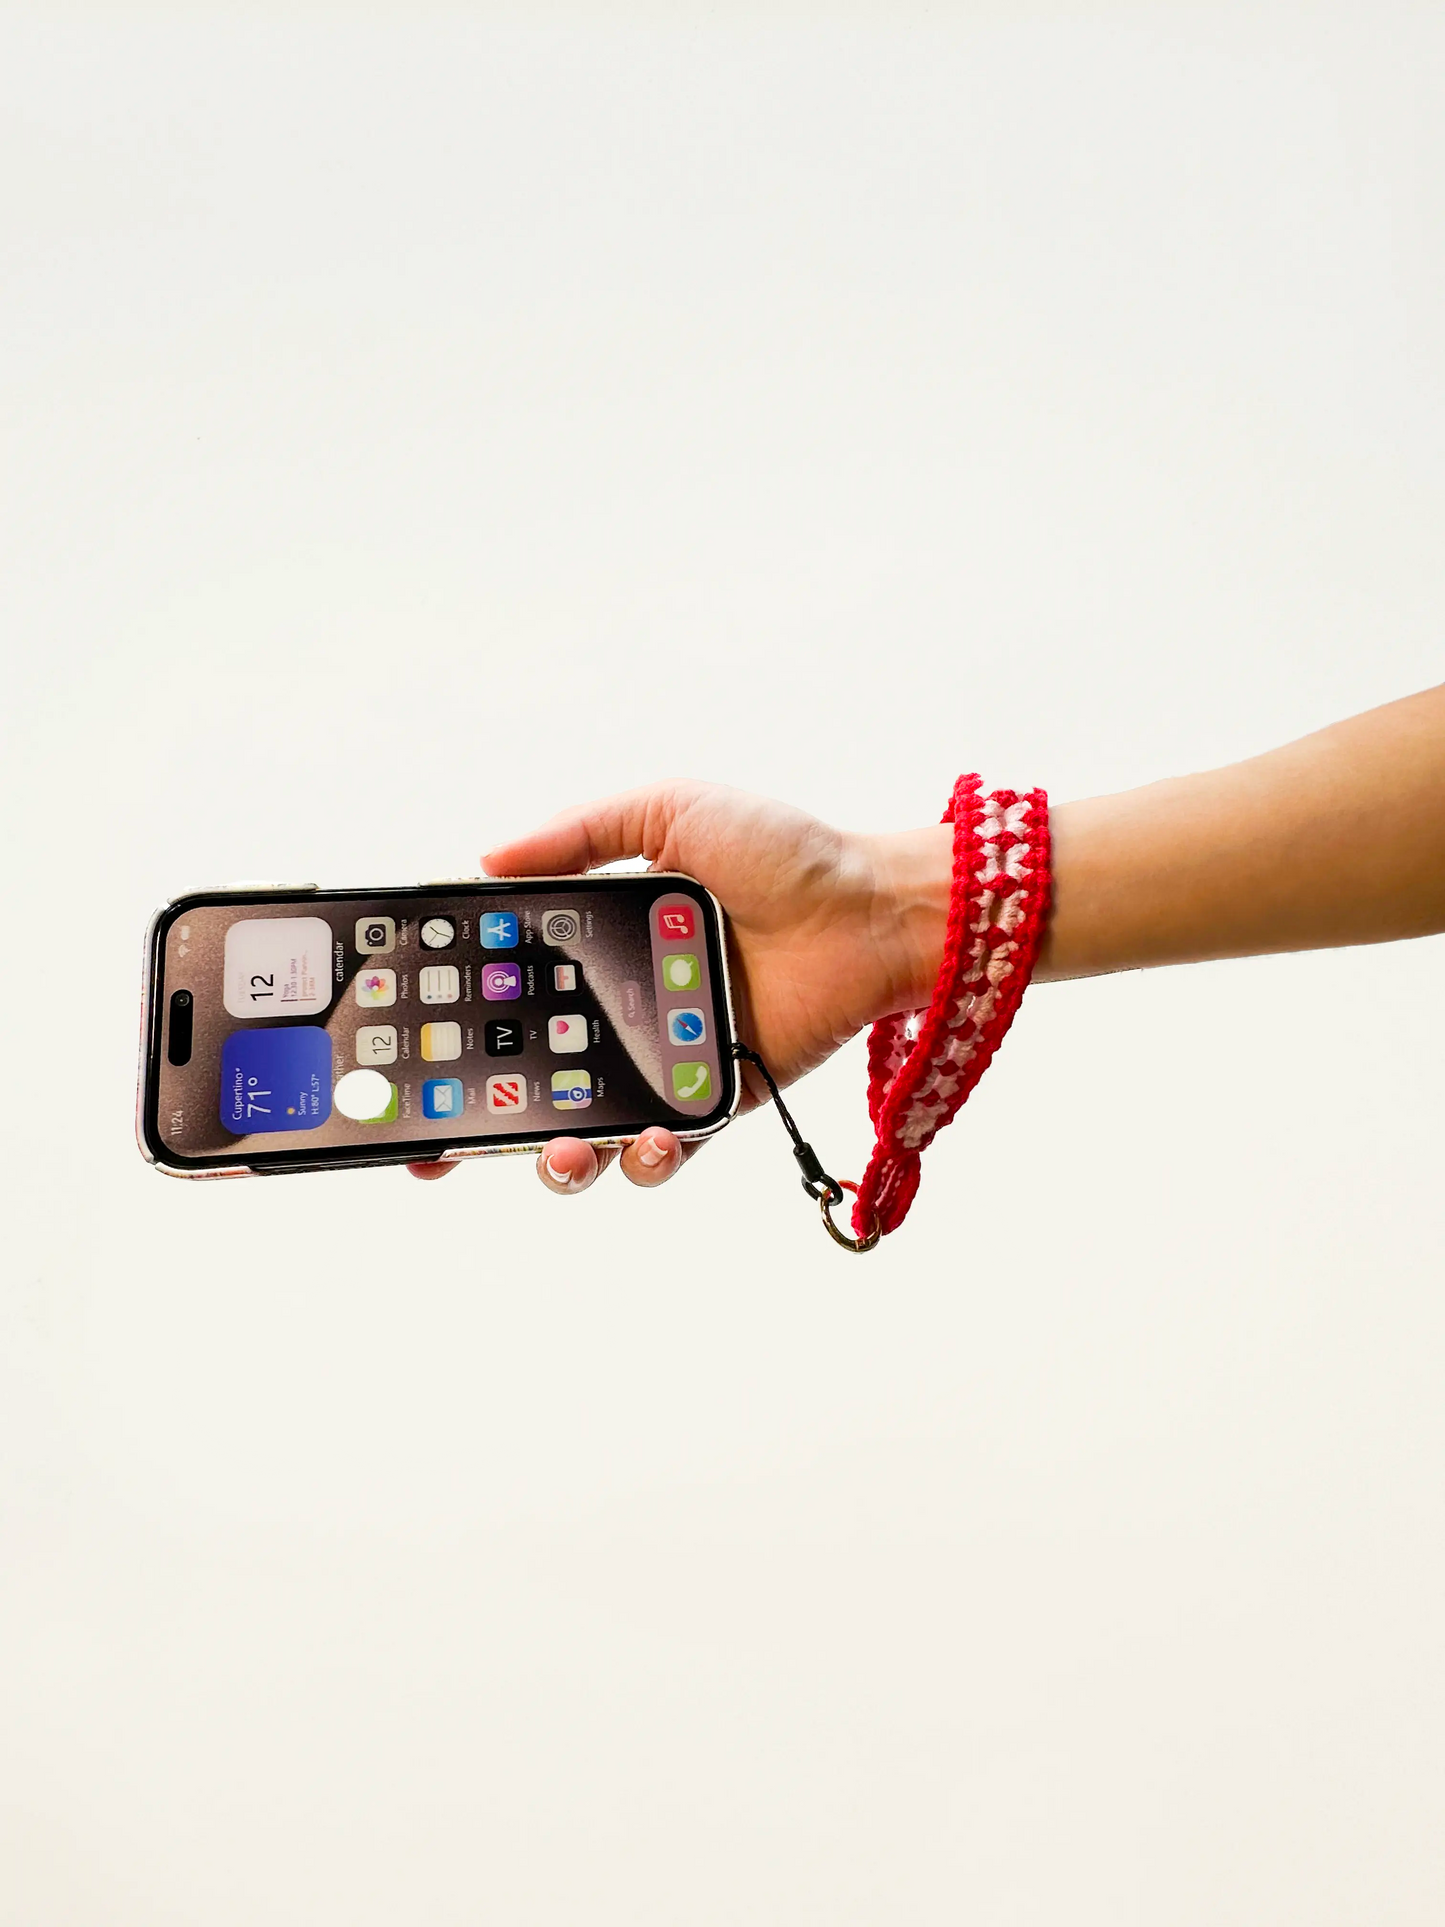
<point>183,997</point>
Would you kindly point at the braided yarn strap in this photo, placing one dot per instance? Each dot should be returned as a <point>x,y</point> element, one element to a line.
<point>922,1067</point>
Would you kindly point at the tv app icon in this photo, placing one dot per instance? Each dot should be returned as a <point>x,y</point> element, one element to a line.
<point>503,1038</point>
<point>571,1090</point>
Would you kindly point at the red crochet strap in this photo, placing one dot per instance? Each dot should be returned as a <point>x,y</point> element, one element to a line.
<point>922,1067</point>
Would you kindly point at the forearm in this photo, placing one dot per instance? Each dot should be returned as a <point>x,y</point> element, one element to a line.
<point>1336,839</point>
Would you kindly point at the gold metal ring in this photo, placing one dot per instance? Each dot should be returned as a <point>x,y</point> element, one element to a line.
<point>865,1243</point>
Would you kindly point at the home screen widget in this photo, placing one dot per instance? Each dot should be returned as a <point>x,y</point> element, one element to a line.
<point>572,1032</point>
<point>438,933</point>
<point>680,970</point>
<point>677,922</point>
<point>366,1097</point>
<point>375,987</point>
<point>498,930</point>
<point>501,981</point>
<point>561,926</point>
<point>507,1093</point>
<point>276,1079</point>
<point>571,1090</point>
<point>439,984</point>
<point>440,1043</point>
<point>278,967</point>
<point>503,1038</point>
<point>375,935</point>
<point>692,1082</point>
<point>376,1044</point>
<point>564,976</point>
<point>686,1027</point>
<point>443,1097</point>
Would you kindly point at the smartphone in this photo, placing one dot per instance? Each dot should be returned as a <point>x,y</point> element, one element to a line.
<point>298,1029</point>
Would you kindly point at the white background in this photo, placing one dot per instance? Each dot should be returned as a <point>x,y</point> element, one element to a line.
<point>414,422</point>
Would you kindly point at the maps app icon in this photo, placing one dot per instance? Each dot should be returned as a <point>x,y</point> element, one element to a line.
<point>571,1090</point>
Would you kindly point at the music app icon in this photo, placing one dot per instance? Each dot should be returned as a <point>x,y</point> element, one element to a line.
<point>676,921</point>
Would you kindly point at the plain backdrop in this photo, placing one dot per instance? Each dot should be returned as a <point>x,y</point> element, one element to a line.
<point>416,420</point>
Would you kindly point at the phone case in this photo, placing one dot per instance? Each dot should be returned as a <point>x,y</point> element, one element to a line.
<point>452,1154</point>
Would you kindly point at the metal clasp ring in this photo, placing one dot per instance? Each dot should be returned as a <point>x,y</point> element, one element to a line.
<point>870,1237</point>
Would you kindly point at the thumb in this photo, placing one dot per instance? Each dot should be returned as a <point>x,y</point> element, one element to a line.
<point>632,823</point>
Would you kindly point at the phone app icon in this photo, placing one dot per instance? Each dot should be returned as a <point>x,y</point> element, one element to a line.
<point>438,933</point>
<point>276,1080</point>
<point>686,1027</point>
<point>498,930</point>
<point>677,922</point>
<point>443,1097</point>
<point>375,987</point>
<point>691,1082</point>
<point>440,1043</point>
<point>572,1032</point>
<point>375,935</point>
<point>376,1044</point>
<point>507,1093</point>
<point>366,1097</point>
<point>564,976</point>
<point>501,981</point>
<point>561,926</point>
<point>439,984</point>
<point>571,1090</point>
<point>680,970</point>
<point>503,1038</point>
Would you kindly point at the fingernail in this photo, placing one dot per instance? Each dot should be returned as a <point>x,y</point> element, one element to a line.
<point>559,1175</point>
<point>651,1153</point>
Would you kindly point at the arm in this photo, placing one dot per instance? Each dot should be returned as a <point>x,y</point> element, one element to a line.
<point>1336,839</point>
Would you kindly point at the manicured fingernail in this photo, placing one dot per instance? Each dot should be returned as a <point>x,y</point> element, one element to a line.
<point>559,1175</point>
<point>651,1153</point>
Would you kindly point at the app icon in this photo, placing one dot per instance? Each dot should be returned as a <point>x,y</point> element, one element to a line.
<point>503,1038</point>
<point>376,1044</point>
<point>440,1043</point>
<point>501,981</point>
<point>276,1080</point>
<point>439,984</point>
<point>680,970</point>
<point>564,976</point>
<point>376,987</point>
<point>375,934</point>
<point>571,1090</point>
<point>691,1082</point>
<point>498,930</point>
<point>366,1097</point>
<point>438,933</point>
<point>507,1093</point>
<point>560,926</point>
<point>278,967</point>
<point>568,1033</point>
<point>686,1027</point>
<point>677,922</point>
<point>443,1097</point>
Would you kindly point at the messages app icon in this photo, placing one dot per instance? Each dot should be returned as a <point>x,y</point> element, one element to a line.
<point>680,970</point>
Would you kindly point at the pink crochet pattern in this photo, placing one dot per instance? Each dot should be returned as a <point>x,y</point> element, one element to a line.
<point>922,1067</point>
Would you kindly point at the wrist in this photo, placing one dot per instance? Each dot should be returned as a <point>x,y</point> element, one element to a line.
<point>912,885</point>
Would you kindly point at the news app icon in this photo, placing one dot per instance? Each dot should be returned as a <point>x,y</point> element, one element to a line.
<point>501,982</point>
<point>571,1090</point>
<point>676,922</point>
<point>508,1094</point>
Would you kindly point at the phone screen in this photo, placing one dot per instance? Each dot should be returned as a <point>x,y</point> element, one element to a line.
<point>315,1026</point>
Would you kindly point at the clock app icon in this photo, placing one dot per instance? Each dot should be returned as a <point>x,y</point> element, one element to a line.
<point>438,933</point>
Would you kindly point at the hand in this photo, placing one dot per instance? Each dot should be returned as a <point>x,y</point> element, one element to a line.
<point>828,930</point>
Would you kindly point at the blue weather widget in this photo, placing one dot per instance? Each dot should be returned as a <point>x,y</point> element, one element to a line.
<point>276,1079</point>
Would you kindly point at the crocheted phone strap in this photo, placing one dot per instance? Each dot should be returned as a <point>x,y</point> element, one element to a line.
<point>922,1067</point>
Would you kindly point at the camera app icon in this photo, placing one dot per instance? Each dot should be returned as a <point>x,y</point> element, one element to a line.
<point>375,935</point>
<point>560,926</point>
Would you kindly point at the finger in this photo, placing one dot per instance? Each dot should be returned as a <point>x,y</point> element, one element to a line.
<point>569,1165</point>
<point>632,823</point>
<point>436,1169</point>
<point>652,1158</point>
